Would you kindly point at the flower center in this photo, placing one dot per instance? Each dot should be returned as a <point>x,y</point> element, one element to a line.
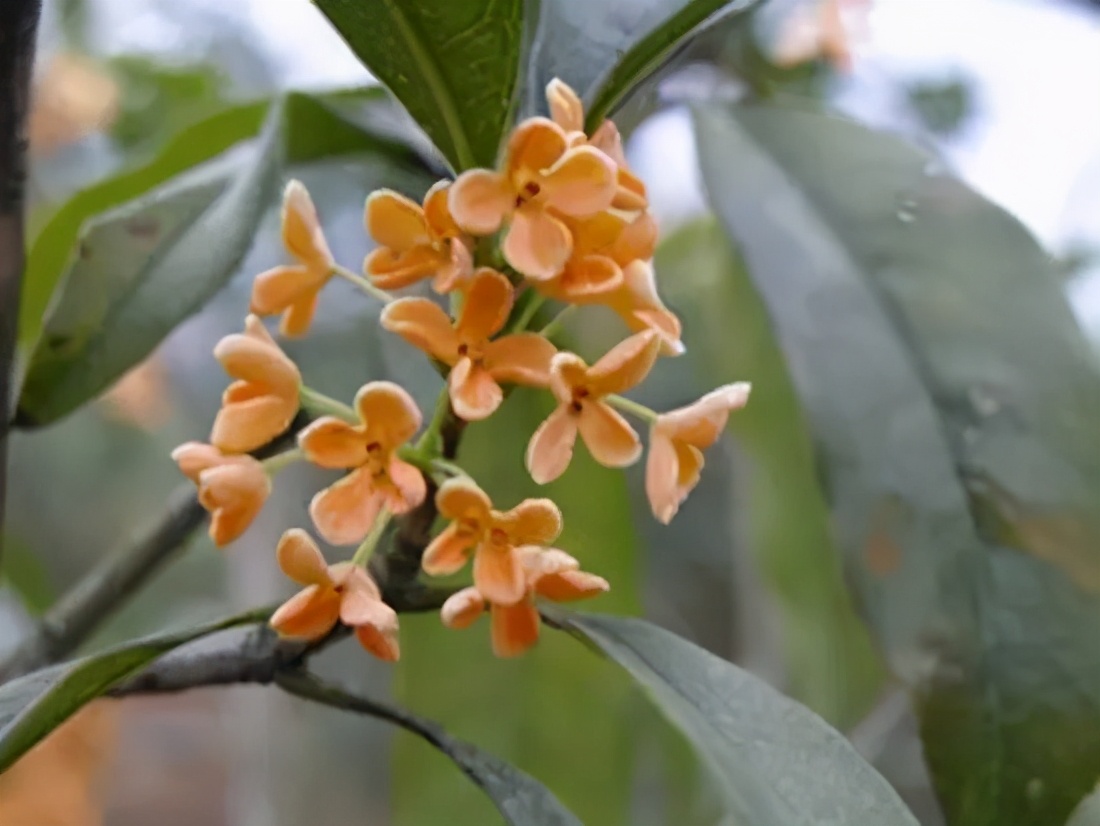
<point>498,537</point>
<point>579,395</point>
<point>376,460</point>
<point>528,193</point>
<point>474,351</point>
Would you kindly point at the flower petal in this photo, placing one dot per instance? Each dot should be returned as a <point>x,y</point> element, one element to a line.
<point>608,140</point>
<point>437,211</point>
<point>475,394</point>
<point>625,365</point>
<point>254,356</point>
<point>515,628</point>
<point>243,426</point>
<point>299,315</point>
<point>701,423</point>
<point>568,586</point>
<point>359,608</point>
<point>583,182</point>
<point>423,324</point>
<point>302,234</point>
<point>448,552</point>
<point>637,241</point>
<point>344,512</point>
<point>389,413</point>
<point>454,274</point>
<point>521,358</point>
<point>309,614</point>
<point>498,574</point>
<point>479,200</point>
<point>277,288</point>
<point>566,108</point>
<point>408,488</point>
<point>661,473</point>
<point>537,243</point>
<point>332,443</point>
<point>608,436</point>
<point>301,560</point>
<point>463,608</point>
<point>551,447</point>
<point>461,499</point>
<point>568,372</point>
<point>586,279</point>
<point>378,641</point>
<point>531,522</point>
<point>195,457</point>
<point>234,493</point>
<point>392,270</point>
<point>395,221</point>
<point>536,144</point>
<point>485,309</point>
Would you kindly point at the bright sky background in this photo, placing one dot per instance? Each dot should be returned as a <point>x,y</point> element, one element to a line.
<point>1033,147</point>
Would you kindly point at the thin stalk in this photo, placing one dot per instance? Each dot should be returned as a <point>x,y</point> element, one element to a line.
<point>364,551</point>
<point>362,283</point>
<point>632,407</point>
<point>319,404</point>
<point>557,322</point>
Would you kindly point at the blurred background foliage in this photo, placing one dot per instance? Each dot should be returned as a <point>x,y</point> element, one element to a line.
<point>751,568</point>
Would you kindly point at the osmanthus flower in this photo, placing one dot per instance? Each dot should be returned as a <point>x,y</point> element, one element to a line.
<point>416,242</point>
<point>478,363</point>
<point>293,289</point>
<point>343,592</point>
<point>543,177</point>
<point>493,536</point>
<point>580,391</point>
<point>345,511</point>
<point>548,573</point>
<point>676,444</point>
<point>567,111</point>
<point>232,488</point>
<point>638,304</point>
<point>603,246</point>
<point>263,400</point>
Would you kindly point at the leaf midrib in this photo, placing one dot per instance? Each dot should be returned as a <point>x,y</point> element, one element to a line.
<point>436,85</point>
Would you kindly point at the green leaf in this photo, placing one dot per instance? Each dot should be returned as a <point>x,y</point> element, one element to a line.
<point>832,665</point>
<point>52,249</point>
<point>453,64</point>
<point>548,711</point>
<point>519,798</point>
<point>775,761</point>
<point>33,706</point>
<point>604,48</point>
<point>954,402</point>
<point>25,573</point>
<point>347,121</point>
<point>142,269</point>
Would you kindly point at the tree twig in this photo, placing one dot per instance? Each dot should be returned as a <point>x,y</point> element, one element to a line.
<point>115,578</point>
<point>18,27</point>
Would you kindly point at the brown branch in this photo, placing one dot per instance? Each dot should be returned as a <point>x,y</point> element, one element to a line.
<point>113,580</point>
<point>18,26</point>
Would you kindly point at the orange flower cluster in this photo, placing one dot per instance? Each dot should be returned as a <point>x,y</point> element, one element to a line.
<point>573,226</point>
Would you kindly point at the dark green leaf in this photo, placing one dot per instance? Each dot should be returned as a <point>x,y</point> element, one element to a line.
<point>519,798</point>
<point>26,574</point>
<point>775,762</point>
<point>33,706</point>
<point>547,711</point>
<point>832,666</point>
<point>141,270</point>
<point>604,48</point>
<point>452,63</point>
<point>53,248</point>
<point>345,122</point>
<point>954,401</point>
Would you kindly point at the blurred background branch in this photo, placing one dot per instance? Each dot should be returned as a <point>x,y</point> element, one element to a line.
<point>18,26</point>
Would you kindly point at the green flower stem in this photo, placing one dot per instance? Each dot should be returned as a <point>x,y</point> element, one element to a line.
<point>364,551</point>
<point>528,304</point>
<point>274,464</point>
<point>632,407</point>
<point>318,404</point>
<point>449,468</point>
<point>428,443</point>
<point>362,283</point>
<point>557,322</point>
